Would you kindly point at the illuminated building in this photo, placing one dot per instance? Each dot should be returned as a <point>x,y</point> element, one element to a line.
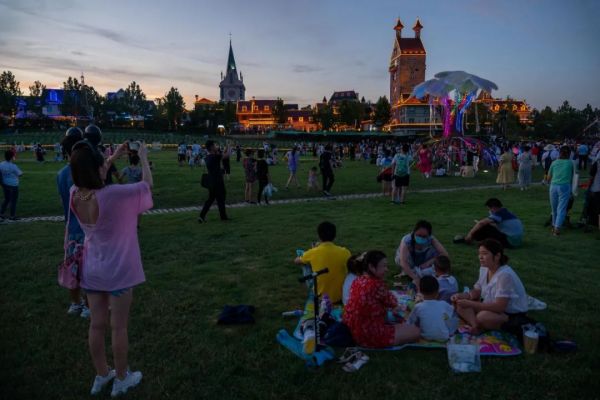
<point>256,113</point>
<point>518,107</point>
<point>409,116</point>
<point>232,87</point>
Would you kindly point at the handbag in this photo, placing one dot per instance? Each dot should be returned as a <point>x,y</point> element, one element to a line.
<point>69,270</point>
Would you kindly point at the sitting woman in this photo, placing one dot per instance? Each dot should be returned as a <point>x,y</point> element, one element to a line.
<point>367,306</point>
<point>418,250</point>
<point>497,297</point>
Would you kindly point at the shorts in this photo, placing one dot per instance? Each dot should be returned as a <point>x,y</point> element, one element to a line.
<point>401,181</point>
<point>180,157</point>
<point>115,293</point>
<point>387,177</point>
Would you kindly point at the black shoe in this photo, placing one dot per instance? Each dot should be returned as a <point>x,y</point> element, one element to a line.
<point>201,220</point>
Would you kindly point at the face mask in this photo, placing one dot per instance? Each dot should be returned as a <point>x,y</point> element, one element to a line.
<point>421,240</point>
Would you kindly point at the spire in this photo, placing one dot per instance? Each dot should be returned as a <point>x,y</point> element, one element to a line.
<point>230,59</point>
<point>417,28</point>
<point>398,28</point>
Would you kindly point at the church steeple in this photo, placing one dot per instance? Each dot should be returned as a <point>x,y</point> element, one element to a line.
<point>232,84</point>
<point>231,60</point>
<point>417,28</point>
<point>398,28</point>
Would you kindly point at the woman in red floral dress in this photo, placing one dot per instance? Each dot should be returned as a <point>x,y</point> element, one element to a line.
<point>368,304</point>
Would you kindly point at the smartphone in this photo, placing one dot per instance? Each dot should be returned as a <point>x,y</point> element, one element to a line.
<point>134,146</point>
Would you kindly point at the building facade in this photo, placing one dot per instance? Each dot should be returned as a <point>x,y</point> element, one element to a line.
<point>232,87</point>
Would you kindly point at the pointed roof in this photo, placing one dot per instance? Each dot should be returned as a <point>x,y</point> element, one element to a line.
<point>418,25</point>
<point>399,25</point>
<point>230,59</point>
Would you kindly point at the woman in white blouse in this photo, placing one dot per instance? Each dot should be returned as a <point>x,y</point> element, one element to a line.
<point>498,295</point>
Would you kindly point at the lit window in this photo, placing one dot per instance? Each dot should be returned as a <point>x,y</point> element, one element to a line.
<point>255,108</point>
<point>301,119</point>
<point>289,119</point>
<point>244,108</point>
<point>266,108</point>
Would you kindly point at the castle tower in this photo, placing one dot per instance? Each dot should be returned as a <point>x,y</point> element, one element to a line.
<point>232,85</point>
<point>407,63</point>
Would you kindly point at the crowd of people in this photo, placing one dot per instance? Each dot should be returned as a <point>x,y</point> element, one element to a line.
<point>102,221</point>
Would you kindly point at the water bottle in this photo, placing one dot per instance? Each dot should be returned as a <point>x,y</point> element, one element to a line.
<point>294,313</point>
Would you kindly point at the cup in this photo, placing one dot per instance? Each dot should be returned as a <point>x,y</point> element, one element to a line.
<point>530,341</point>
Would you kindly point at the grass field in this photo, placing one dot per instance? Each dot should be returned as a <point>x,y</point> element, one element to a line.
<point>193,270</point>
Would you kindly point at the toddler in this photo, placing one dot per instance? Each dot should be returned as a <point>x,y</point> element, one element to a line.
<point>435,318</point>
<point>313,175</point>
<point>447,283</point>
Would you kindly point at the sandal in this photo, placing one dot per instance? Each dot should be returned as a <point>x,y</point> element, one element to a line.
<point>348,355</point>
<point>360,360</point>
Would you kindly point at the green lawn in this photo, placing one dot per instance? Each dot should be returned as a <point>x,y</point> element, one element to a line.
<point>180,186</point>
<point>193,270</point>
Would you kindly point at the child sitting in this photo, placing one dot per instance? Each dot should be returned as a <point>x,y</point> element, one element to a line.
<point>447,283</point>
<point>354,265</point>
<point>313,175</point>
<point>434,317</point>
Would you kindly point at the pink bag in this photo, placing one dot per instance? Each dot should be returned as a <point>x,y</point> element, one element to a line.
<point>69,270</point>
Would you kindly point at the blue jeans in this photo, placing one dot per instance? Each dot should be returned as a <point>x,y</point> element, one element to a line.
<point>11,194</point>
<point>559,200</point>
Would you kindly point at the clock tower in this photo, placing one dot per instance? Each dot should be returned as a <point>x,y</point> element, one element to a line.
<point>232,87</point>
<point>407,63</point>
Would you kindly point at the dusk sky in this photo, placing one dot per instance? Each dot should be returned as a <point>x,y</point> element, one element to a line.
<point>541,51</point>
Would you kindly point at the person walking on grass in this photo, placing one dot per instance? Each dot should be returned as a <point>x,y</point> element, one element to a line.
<point>74,236</point>
<point>250,174</point>
<point>326,163</point>
<point>560,176</point>
<point>525,161</point>
<point>262,173</point>
<point>9,174</point>
<point>112,265</point>
<point>506,175</point>
<point>401,169</point>
<point>216,184</point>
<point>293,157</point>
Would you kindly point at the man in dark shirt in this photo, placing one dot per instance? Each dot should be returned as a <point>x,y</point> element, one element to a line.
<point>216,185</point>
<point>326,165</point>
<point>262,173</point>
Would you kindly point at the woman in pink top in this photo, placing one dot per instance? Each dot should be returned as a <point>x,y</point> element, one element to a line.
<point>112,264</point>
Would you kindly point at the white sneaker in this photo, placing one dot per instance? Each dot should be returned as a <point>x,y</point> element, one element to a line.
<point>85,312</point>
<point>74,309</point>
<point>101,381</point>
<point>132,379</point>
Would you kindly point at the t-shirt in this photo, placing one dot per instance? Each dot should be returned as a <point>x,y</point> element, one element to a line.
<point>132,174</point>
<point>329,255</point>
<point>10,173</point>
<point>448,287</point>
<point>112,258</point>
<point>181,149</point>
<point>325,161</point>
<point>583,150</point>
<point>504,284</point>
<point>347,285</point>
<point>509,224</point>
<point>213,167</point>
<point>436,318</point>
<point>402,162</point>
<point>64,181</point>
<point>262,170</point>
<point>561,171</point>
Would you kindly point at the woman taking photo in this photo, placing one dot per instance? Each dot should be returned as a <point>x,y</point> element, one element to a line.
<point>497,297</point>
<point>112,264</point>
<point>369,301</point>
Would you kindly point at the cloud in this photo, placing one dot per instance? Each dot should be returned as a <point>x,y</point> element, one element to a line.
<point>302,68</point>
<point>78,53</point>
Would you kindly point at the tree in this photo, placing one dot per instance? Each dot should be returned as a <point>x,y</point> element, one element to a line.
<point>279,112</point>
<point>36,89</point>
<point>174,106</point>
<point>70,101</point>
<point>543,122</point>
<point>35,101</point>
<point>351,113</point>
<point>135,99</point>
<point>324,116</point>
<point>568,121</point>
<point>9,91</point>
<point>383,111</point>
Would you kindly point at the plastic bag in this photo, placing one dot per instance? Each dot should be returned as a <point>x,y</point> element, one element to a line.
<point>463,356</point>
